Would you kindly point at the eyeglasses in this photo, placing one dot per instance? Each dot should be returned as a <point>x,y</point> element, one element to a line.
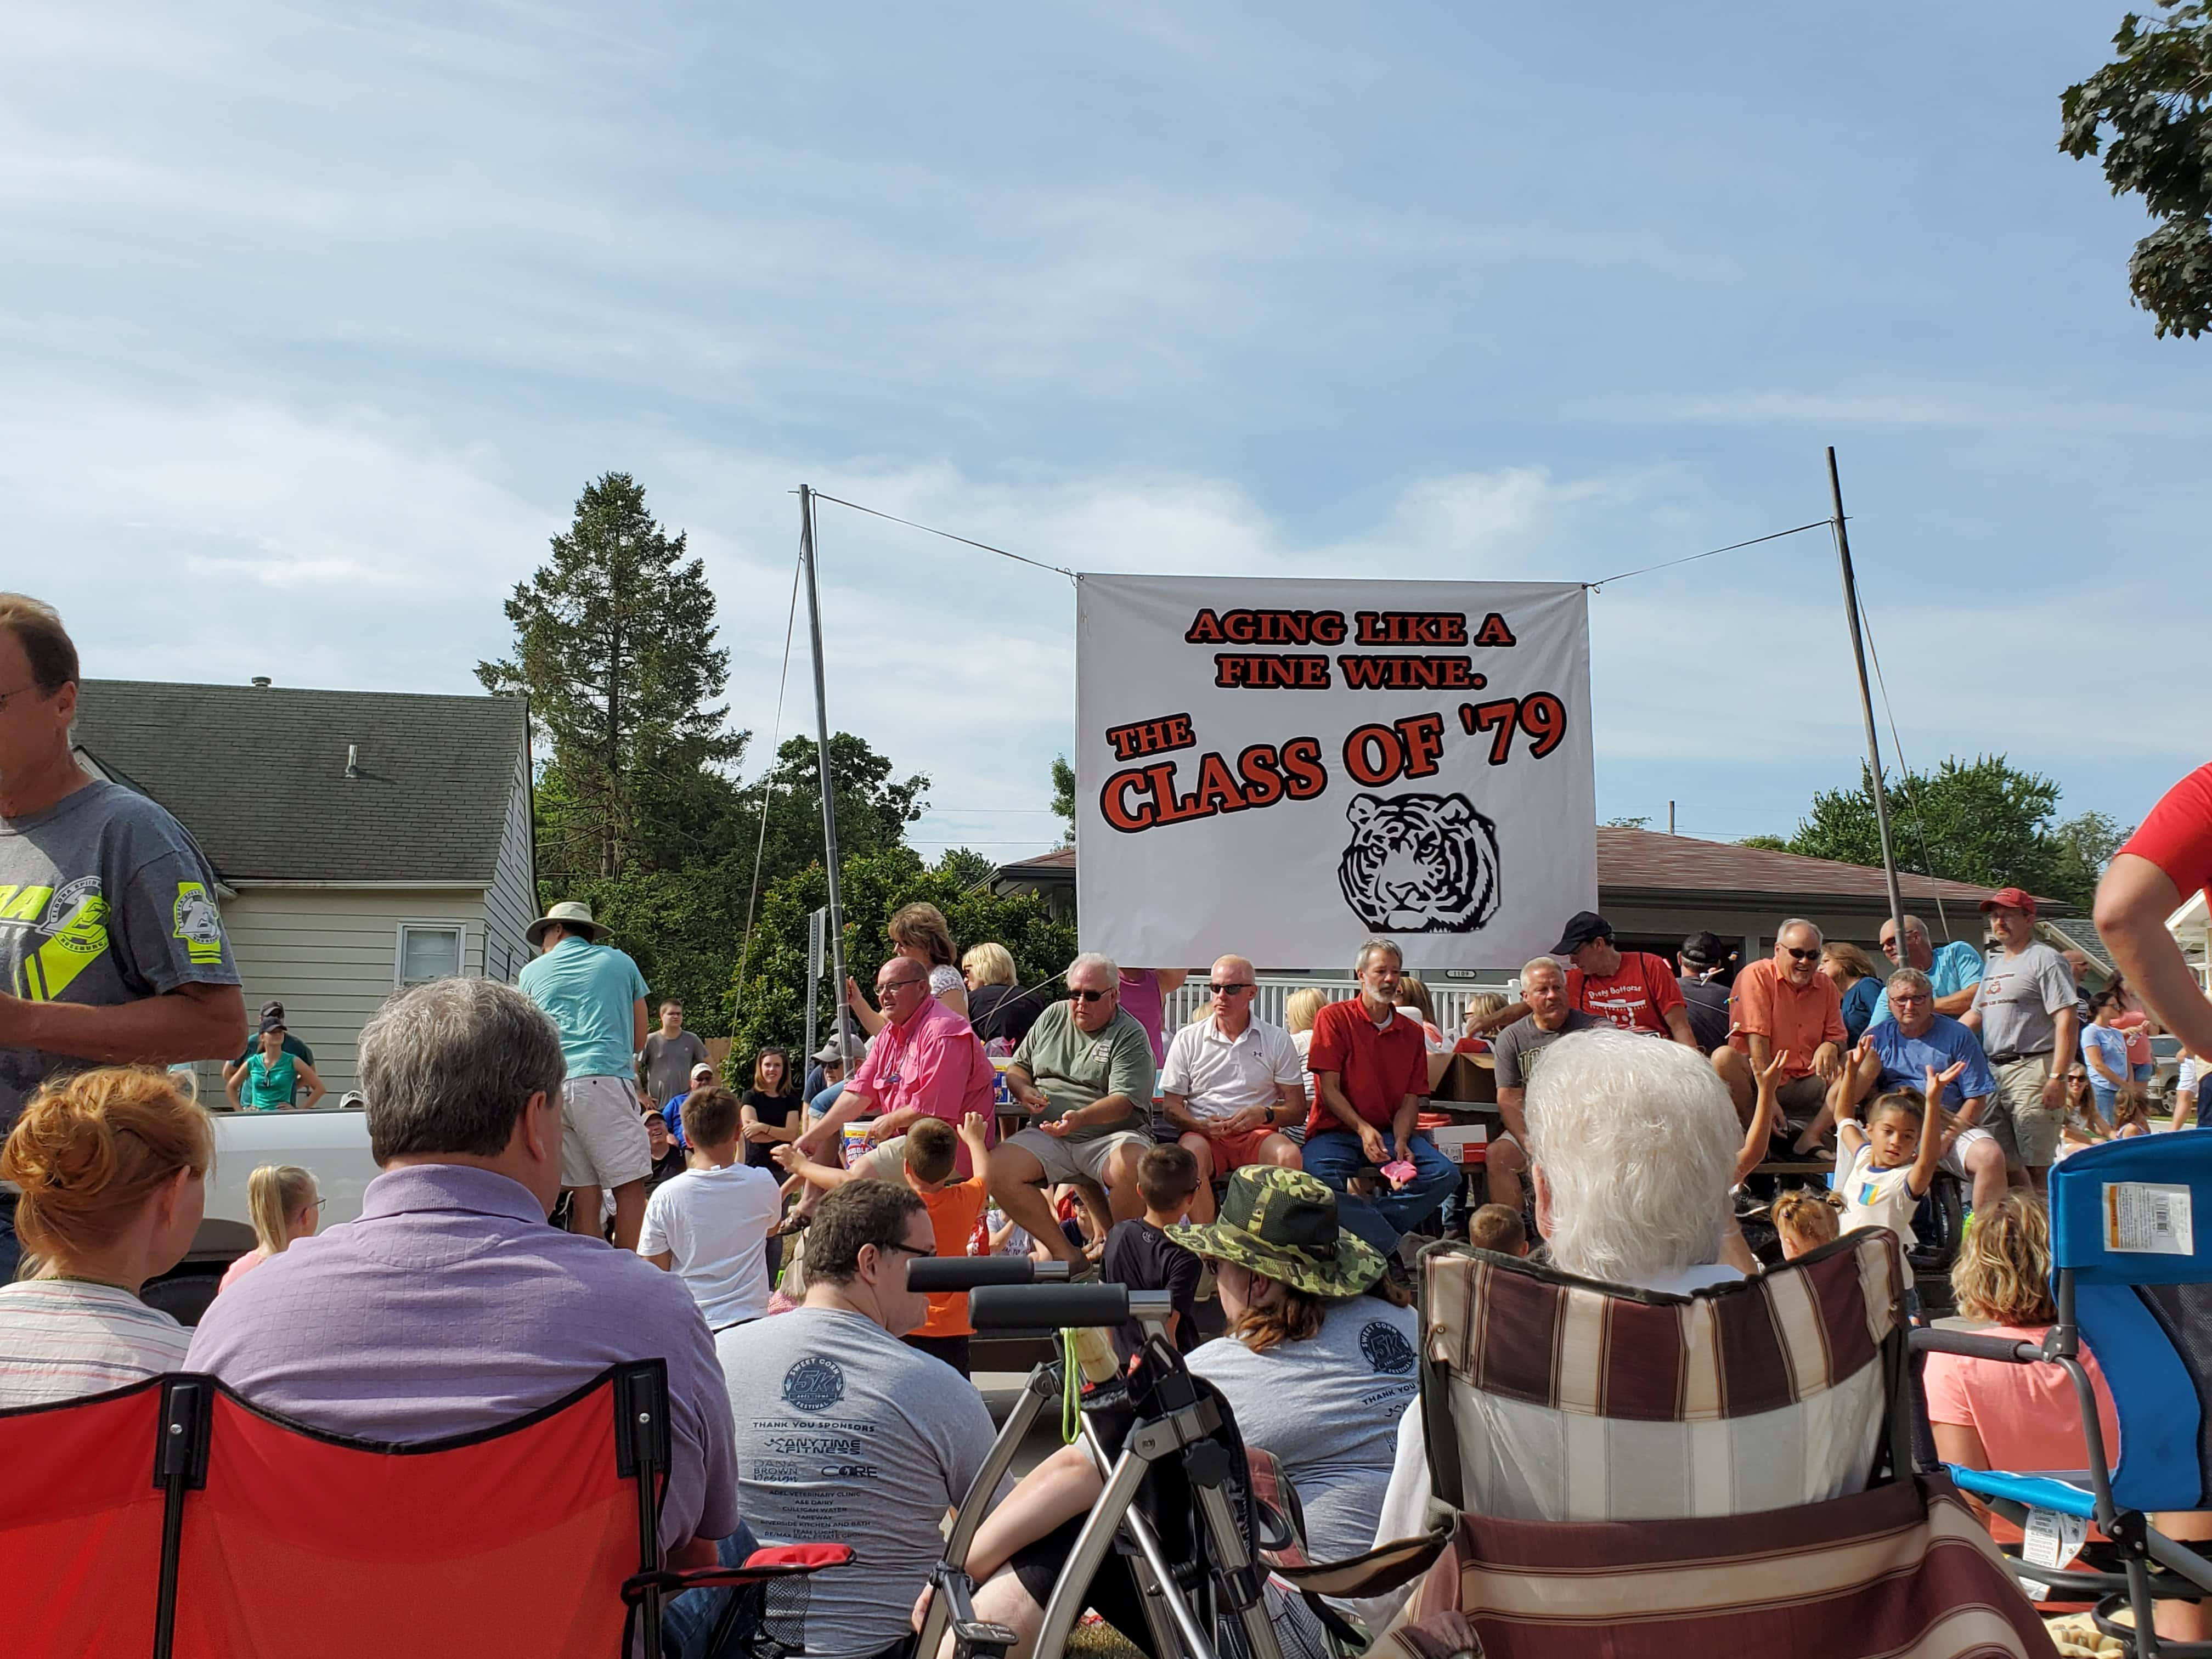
<point>894,1244</point>
<point>1813,955</point>
<point>6,697</point>
<point>1907,1000</point>
<point>1074,995</point>
<point>883,984</point>
<point>1230,990</point>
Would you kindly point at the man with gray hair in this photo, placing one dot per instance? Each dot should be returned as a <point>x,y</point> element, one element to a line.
<point>1084,1074</point>
<point>1784,1005</point>
<point>451,1306</point>
<point>1954,970</point>
<point>1514,1054</point>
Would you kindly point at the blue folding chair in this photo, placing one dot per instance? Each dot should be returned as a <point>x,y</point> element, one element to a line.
<point>2132,1271</point>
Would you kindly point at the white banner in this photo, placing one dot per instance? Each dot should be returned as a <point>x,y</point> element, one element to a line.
<point>1280,769</point>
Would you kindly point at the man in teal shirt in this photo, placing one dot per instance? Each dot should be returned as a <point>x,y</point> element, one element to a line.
<point>1955,970</point>
<point>596,998</point>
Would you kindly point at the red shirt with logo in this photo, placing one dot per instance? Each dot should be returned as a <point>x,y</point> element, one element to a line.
<point>1376,1066</point>
<point>1636,997</point>
<point>2177,836</point>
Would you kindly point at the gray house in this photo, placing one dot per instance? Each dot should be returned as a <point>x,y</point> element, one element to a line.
<point>364,840</point>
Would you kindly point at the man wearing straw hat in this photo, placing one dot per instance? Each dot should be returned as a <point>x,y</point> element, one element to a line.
<point>596,998</point>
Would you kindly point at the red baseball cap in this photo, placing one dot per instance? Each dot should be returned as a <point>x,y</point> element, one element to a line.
<point>2012,898</point>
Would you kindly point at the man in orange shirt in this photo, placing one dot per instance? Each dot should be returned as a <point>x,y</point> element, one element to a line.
<point>1785,1004</point>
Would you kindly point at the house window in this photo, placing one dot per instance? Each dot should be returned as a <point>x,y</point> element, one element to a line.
<point>428,951</point>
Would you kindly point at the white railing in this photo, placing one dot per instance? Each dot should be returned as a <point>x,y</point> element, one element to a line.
<point>1450,999</point>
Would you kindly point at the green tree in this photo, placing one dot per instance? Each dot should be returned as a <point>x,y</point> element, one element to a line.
<point>1063,797</point>
<point>615,647</point>
<point>767,1005</point>
<point>2156,98</point>
<point>1642,822</point>
<point>1771,843</point>
<point>874,809</point>
<point>1982,821</point>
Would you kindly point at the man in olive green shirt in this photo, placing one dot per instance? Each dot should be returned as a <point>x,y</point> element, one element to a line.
<point>1084,1073</point>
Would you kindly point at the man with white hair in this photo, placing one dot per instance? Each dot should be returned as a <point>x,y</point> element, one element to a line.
<point>1515,1053</point>
<point>1084,1073</point>
<point>1632,1146</point>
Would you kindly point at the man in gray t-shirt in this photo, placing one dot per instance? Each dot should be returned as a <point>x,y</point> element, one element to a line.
<point>846,1434</point>
<point>668,1055</point>
<point>1514,1052</point>
<point>2023,1012</point>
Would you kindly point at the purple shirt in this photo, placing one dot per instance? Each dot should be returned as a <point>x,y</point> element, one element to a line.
<point>451,1306</point>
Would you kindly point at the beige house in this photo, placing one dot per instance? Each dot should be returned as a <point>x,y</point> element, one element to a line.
<point>364,840</point>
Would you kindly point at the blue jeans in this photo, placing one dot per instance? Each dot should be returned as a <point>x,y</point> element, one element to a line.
<point>687,1623</point>
<point>821,1104</point>
<point>1333,1156</point>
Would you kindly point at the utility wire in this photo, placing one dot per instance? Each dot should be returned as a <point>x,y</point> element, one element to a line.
<point>1817,523</point>
<point>1919,818</point>
<point>1017,557</point>
<point>768,785</point>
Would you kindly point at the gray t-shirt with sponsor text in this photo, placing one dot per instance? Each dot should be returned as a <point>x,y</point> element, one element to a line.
<point>1329,1407</point>
<point>104,900</point>
<point>1515,1049</point>
<point>2017,999</point>
<point>846,1434</point>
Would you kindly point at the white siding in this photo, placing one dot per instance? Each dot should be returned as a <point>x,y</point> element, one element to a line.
<point>512,904</point>
<point>328,955</point>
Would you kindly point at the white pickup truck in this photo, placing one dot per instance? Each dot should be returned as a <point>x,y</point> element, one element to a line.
<point>331,1140</point>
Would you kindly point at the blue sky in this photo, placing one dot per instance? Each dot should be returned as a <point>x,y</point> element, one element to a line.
<point>317,320</point>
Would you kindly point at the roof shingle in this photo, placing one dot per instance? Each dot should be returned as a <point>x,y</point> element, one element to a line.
<point>257,773</point>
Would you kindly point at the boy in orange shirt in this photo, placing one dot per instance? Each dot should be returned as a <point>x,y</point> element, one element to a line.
<point>931,1153</point>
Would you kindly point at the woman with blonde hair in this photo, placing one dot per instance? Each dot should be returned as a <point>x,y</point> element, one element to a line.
<point>285,1206</point>
<point>921,934</point>
<point>999,1010</point>
<point>111,1166</point>
<point>1300,1009</point>
<point>1479,1007</point>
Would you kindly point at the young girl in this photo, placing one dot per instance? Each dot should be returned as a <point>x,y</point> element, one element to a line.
<point>286,1208</point>
<point>2130,1111</point>
<point>1803,1222</point>
<point>1888,1164</point>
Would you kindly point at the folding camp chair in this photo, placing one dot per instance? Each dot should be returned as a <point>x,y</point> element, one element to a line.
<point>1625,1472</point>
<point>2133,1281</point>
<point>172,1519</point>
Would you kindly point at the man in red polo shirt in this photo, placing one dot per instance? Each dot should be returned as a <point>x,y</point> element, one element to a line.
<point>1784,1005</point>
<point>1370,1072</point>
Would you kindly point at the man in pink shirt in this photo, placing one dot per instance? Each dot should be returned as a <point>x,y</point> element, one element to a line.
<point>925,1062</point>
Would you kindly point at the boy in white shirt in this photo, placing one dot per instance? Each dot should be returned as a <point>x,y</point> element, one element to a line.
<point>709,1226</point>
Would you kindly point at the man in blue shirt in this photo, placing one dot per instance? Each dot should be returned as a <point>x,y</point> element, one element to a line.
<point>1954,970</point>
<point>1899,1052</point>
<point>596,998</point>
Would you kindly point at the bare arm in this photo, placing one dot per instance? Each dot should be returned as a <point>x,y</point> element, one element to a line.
<point>1958,1002</point>
<point>1333,1098</point>
<point>956,1000</point>
<point>1931,1128</point>
<point>2133,901</point>
<point>640,1026</point>
<point>193,1022</point>
<point>827,1176</point>
<point>1504,1016</point>
<point>233,1078</point>
<point>1678,1022</point>
<point>1402,1122</point>
<point>1178,1113</point>
<point>1764,1117</point>
<point>315,1089</point>
<point>1510,1102</point>
<point>2066,1042</point>
<point>664,1259</point>
<point>870,1021</point>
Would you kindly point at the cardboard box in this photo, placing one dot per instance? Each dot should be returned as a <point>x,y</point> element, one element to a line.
<point>1462,1143</point>
<point>1469,1079</point>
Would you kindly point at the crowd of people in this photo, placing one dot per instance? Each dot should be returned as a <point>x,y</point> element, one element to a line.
<point>757,1241</point>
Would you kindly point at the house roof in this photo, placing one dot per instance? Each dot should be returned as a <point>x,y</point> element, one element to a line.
<point>2081,933</point>
<point>1645,865</point>
<point>258,775</point>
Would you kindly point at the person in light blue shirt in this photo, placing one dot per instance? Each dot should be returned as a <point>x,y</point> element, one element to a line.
<point>596,999</point>
<point>1954,970</point>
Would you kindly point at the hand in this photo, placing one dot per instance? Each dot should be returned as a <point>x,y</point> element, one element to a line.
<point>1056,1127</point>
<point>815,1143</point>
<point>1405,1149</point>
<point>757,1133</point>
<point>853,997</point>
<point>1029,1096</point>
<point>788,1156</point>
<point>2054,1091</point>
<point>1936,1079</point>
<point>1242,1122</point>
<point>974,1125</point>
<point>1769,1076</point>
<point>920,1608</point>
<point>1371,1143</point>
<point>1828,1062</point>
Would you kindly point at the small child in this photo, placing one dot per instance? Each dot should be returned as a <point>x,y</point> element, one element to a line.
<point>931,1156</point>
<point>1139,1253</point>
<point>1498,1227</point>
<point>1888,1165</point>
<point>1804,1221</point>
<point>2130,1111</point>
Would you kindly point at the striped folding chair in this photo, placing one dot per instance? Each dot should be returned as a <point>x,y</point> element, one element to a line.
<point>1624,1473</point>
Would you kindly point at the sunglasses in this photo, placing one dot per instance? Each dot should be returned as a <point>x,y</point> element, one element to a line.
<point>1813,955</point>
<point>1074,995</point>
<point>1230,990</point>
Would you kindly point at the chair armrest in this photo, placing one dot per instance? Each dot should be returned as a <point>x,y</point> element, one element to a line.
<point>779,1561</point>
<point>1930,1340</point>
<point>2039,1492</point>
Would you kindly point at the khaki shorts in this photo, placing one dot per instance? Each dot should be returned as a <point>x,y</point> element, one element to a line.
<point>1075,1160</point>
<point>2026,1129</point>
<point>602,1133</point>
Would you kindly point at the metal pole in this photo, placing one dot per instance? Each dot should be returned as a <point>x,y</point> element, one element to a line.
<point>828,796</point>
<point>817,925</point>
<point>1866,701</point>
<point>1671,817</point>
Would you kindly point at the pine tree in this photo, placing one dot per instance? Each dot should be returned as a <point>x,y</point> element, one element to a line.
<point>615,646</point>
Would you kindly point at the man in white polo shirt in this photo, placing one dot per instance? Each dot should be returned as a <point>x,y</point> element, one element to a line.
<point>1231,1085</point>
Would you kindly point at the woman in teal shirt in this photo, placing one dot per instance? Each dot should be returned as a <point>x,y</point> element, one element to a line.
<point>270,1076</point>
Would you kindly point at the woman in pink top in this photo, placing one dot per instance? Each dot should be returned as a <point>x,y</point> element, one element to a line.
<point>285,1206</point>
<point>1992,1414</point>
<point>1145,992</point>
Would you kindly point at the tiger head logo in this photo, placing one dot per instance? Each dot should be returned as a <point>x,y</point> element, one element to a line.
<point>1420,864</point>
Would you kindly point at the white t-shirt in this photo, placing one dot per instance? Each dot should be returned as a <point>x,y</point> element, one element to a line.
<point>714,1223</point>
<point>1878,1198</point>
<point>945,977</point>
<point>1219,1076</point>
<point>1302,1041</point>
<point>62,1339</point>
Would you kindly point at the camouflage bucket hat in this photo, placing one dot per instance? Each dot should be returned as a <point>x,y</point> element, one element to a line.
<point>1283,1222</point>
